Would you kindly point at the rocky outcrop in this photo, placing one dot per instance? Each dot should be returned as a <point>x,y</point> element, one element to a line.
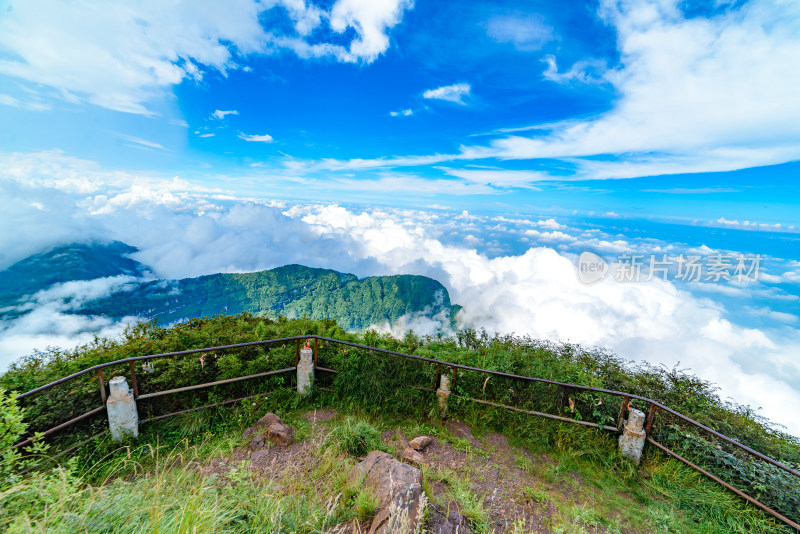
<point>397,488</point>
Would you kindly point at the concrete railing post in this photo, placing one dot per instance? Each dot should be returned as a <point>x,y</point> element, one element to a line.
<point>123,417</point>
<point>443,393</point>
<point>631,442</point>
<point>305,371</point>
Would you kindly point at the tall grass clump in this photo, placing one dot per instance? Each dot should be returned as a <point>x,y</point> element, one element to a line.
<point>355,438</point>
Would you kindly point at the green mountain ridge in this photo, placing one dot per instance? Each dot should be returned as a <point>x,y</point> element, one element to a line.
<point>66,263</point>
<point>291,290</point>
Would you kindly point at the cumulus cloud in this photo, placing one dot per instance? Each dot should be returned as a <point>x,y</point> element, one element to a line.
<point>48,321</point>
<point>122,58</point>
<point>402,113</point>
<point>451,93</point>
<point>370,19</point>
<point>185,231</point>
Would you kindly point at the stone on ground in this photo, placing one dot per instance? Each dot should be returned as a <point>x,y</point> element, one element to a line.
<point>420,442</point>
<point>269,428</point>
<point>397,487</point>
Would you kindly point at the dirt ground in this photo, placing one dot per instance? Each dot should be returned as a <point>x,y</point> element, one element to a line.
<point>507,481</point>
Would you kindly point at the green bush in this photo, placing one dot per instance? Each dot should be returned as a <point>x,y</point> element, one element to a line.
<point>12,430</point>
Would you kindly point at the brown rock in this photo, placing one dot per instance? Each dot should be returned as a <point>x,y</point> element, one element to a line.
<point>280,434</point>
<point>447,522</point>
<point>420,442</point>
<point>276,431</point>
<point>256,443</point>
<point>396,487</point>
<point>268,419</point>
<point>410,455</point>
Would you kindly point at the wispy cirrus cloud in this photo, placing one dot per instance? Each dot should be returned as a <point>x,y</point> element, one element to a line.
<point>220,114</point>
<point>138,142</point>
<point>256,138</point>
<point>527,32</point>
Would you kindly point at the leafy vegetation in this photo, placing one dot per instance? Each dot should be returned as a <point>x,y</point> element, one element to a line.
<point>386,388</point>
<point>291,291</point>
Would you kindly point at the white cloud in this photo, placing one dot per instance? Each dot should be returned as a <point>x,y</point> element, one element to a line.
<point>697,91</point>
<point>123,57</point>
<point>371,19</point>
<point>499,177</point>
<point>525,32</point>
<point>452,93</point>
<point>256,138</point>
<point>402,113</point>
<point>183,230</point>
<point>550,223</point>
<point>138,142</point>
<point>220,114</point>
<point>694,95</point>
<point>33,105</point>
<point>49,323</point>
<point>586,71</point>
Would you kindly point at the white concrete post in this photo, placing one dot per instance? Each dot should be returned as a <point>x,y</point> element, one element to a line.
<point>631,442</point>
<point>123,417</point>
<point>305,371</point>
<point>443,393</point>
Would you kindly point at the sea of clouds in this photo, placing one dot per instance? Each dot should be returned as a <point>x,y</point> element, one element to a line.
<point>182,230</point>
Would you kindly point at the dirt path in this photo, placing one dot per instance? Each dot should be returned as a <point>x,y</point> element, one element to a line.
<point>497,487</point>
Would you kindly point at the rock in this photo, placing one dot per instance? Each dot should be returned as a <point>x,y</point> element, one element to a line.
<point>256,443</point>
<point>397,488</point>
<point>410,455</point>
<point>447,522</point>
<point>264,422</point>
<point>280,434</point>
<point>420,442</point>
<point>257,456</point>
<point>277,432</point>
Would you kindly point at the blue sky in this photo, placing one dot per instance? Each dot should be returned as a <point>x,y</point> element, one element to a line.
<point>493,104</point>
<point>486,144</point>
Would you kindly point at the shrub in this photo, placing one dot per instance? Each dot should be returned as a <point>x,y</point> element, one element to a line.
<point>12,428</point>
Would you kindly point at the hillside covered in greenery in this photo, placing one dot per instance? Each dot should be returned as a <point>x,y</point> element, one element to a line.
<point>386,391</point>
<point>66,263</point>
<point>290,291</point>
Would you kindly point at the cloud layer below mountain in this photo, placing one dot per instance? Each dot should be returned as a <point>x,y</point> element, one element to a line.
<point>184,231</point>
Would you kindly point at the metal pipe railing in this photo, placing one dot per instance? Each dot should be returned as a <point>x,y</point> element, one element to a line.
<point>626,398</point>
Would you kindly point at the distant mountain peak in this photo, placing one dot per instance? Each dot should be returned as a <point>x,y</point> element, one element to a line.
<point>64,263</point>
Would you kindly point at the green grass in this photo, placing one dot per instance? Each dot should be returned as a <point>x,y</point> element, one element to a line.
<point>584,483</point>
<point>355,438</point>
